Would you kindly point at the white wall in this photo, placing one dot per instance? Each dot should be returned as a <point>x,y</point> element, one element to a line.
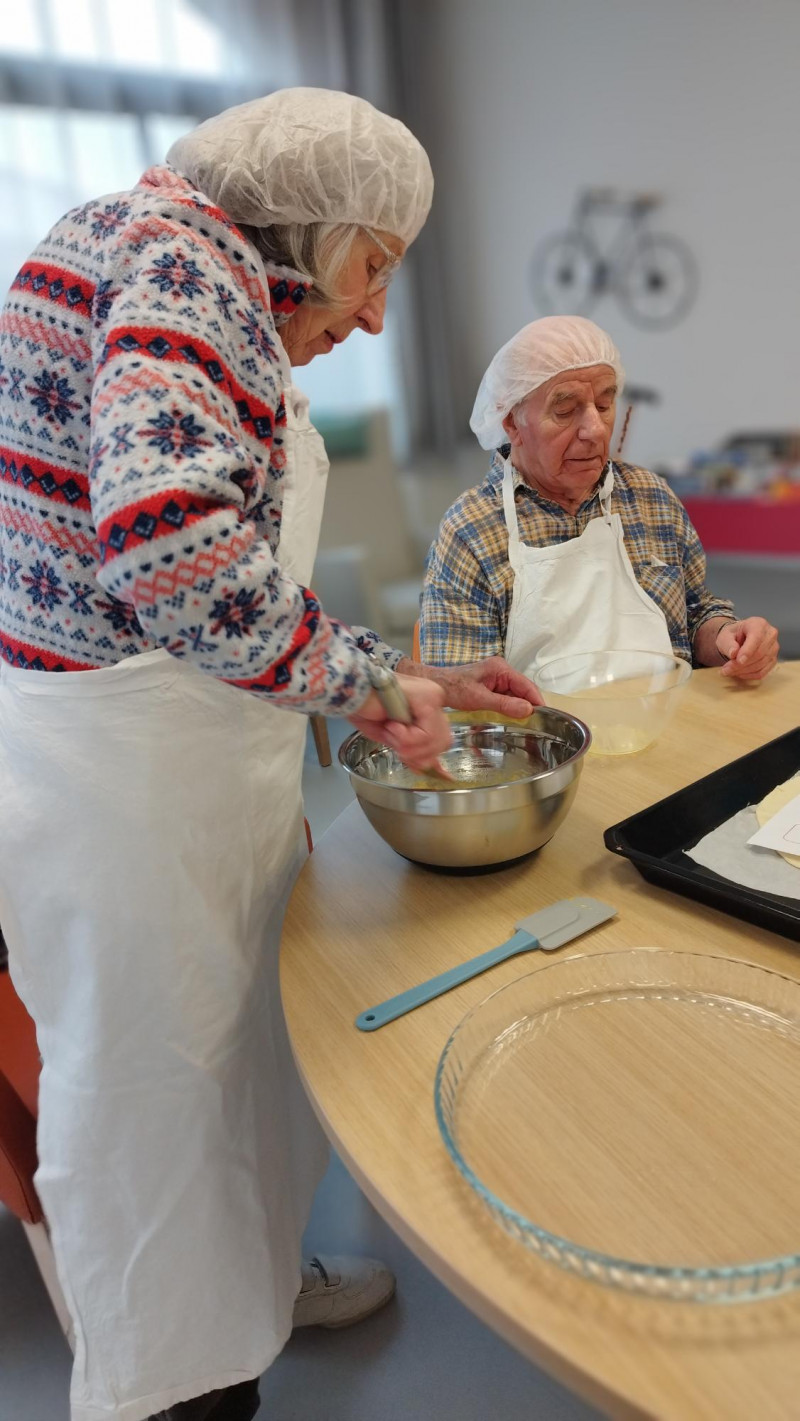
<point>528,100</point>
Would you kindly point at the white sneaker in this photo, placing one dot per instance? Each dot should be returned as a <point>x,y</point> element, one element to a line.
<point>337,1292</point>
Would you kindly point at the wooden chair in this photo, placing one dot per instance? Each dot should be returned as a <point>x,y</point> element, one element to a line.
<point>319,729</point>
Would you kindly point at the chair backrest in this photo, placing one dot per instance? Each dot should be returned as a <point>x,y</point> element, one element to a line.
<point>19,1080</point>
<point>19,1052</point>
<point>415,651</point>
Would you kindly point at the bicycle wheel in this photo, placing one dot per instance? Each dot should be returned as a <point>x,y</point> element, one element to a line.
<point>566,275</point>
<point>659,282</point>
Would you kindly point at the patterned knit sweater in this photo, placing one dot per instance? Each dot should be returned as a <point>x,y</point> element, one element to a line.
<point>142,424</point>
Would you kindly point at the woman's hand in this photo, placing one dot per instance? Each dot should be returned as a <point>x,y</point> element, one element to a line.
<point>419,744</point>
<point>489,685</point>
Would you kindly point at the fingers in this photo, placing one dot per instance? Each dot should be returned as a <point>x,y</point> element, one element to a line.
<point>420,694</point>
<point>492,686</point>
<point>729,639</point>
<point>472,696</point>
<point>516,685</point>
<point>755,671</point>
<point>419,745</point>
<point>751,647</point>
<point>511,706</point>
<point>757,665</point>
<point>429,734</point>
<point>498,677</point>
<point>753,642</point>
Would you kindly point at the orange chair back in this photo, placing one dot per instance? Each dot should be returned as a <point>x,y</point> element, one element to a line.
<point>19,1052</point>
<point>19,1082</point>
<point>416,655</point>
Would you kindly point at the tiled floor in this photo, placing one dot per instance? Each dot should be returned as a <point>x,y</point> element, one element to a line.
<point>423,1358</point>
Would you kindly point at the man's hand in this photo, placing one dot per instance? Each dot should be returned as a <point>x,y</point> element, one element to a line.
<point>420,743</point>
<point>489,685</point>
<point>748,648</point>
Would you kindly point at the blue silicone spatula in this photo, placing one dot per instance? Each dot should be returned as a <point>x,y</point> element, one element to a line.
<point>549,928</point>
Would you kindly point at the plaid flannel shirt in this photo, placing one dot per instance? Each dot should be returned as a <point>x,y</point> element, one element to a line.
<point>466,598</point>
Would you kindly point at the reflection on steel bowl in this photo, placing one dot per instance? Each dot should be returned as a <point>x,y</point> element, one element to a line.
<point>513,787</point>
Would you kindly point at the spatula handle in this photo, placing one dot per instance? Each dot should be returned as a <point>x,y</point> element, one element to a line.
<point>389,1010</point>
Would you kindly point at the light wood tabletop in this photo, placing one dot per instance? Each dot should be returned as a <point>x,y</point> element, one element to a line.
<point>364,924</point>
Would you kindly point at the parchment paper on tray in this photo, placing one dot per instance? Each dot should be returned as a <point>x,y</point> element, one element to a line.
<point>726,852</point>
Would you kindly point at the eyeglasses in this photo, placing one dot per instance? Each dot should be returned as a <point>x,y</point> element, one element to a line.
<point>381,279</point>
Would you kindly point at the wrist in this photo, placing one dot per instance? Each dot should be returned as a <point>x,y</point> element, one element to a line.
<point>407,667</point>
<point>707,638</point>
<point>370,709</point>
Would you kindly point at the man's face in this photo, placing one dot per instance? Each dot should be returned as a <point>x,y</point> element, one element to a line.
<point>560,436</point>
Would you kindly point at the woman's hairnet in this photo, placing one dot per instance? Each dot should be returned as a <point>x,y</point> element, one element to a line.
<point>310,155</point>
<point>534,355</point>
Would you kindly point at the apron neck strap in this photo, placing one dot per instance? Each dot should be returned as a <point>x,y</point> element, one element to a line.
<point>605,491</point>
<point>510,510</point>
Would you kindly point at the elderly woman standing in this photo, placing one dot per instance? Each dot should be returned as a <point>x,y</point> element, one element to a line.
<point>160,496</point>
<point>561,550</point>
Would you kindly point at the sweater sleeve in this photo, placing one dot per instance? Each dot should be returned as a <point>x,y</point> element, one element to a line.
<point>185,470</point>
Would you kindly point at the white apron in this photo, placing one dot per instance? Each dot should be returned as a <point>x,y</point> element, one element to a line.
<point>577,596</point>
<point>150,832</point>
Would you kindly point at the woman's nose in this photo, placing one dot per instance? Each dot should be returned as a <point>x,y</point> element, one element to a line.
<point>370,315</point>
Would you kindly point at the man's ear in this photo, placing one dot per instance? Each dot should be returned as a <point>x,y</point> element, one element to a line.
<point>511,427</point>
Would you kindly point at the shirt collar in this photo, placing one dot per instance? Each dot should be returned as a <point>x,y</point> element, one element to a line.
<point>605,484</point>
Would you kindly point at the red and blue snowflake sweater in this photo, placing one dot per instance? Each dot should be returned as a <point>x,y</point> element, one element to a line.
<point>142,426</point>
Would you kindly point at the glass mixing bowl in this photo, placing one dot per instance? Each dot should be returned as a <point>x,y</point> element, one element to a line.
<point>625,697</point>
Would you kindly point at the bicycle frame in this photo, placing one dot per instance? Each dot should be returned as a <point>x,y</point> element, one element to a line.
<point>612,256</point>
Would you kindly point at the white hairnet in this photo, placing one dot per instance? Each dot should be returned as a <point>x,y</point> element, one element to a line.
<point>534,355</point>
<point>310,155</point>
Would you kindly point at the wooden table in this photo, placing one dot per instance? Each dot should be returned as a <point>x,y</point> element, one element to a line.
<point>364,924</point>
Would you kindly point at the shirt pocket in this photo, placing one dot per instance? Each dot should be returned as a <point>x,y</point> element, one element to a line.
<point>664,582</point>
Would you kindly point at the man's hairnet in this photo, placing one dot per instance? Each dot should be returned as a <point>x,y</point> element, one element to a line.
<point>310,155</point>
<point>534,355</point>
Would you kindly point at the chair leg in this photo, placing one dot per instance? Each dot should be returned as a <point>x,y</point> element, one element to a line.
<point>319,727</point>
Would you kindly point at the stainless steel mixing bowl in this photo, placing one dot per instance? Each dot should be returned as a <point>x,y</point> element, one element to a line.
<point>479,821</point>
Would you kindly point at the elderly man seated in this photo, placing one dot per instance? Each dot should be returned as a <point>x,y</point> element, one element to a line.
<point>561,550</point>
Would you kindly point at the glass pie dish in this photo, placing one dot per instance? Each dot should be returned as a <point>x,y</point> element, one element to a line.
<point>631,1116</point>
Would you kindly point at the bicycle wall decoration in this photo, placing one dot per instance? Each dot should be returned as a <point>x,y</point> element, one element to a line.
<point>611,250</point>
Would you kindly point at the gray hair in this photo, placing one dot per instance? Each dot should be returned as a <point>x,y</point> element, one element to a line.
<point>316,251</point>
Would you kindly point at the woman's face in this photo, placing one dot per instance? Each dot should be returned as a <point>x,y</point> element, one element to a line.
<point>315,330</point>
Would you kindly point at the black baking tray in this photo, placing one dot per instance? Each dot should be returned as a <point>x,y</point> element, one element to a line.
<point>656,840</point>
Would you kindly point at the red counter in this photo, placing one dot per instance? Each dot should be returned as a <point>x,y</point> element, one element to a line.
<point>746,525</point>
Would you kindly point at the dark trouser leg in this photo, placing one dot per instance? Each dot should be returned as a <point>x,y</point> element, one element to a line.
<point>234,1403</point>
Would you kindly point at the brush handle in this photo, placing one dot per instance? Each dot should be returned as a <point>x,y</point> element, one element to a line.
<point>375,1017</point>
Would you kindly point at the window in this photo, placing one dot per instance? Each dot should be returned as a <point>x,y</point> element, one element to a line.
<point>97,90</point>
